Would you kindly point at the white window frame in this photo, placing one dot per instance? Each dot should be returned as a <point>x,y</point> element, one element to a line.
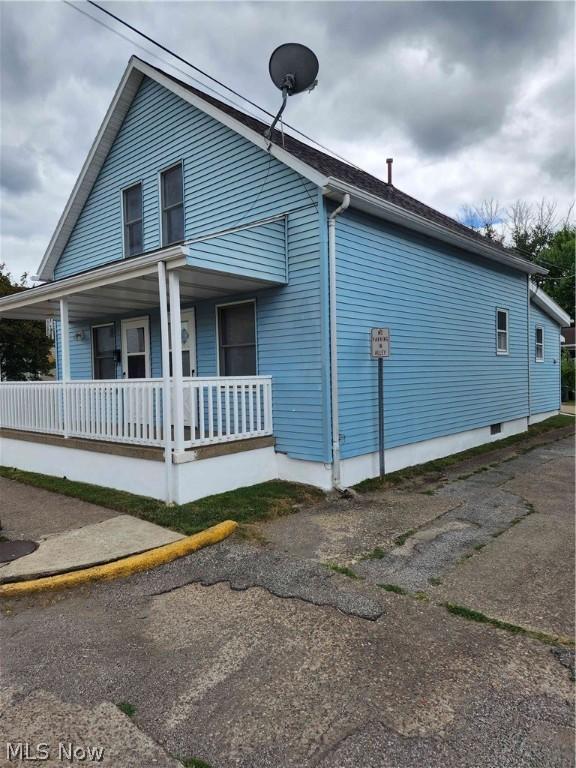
<point>217,312</point>
<point>539,359</point>
<point>499,350</point>
<point>145,321</point>
<point>138,182</point>
<point>160,196</point>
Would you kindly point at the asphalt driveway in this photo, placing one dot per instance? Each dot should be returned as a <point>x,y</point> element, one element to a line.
<point>256,653</point>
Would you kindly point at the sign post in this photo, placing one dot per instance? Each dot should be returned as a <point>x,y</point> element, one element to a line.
<point>379,350</point>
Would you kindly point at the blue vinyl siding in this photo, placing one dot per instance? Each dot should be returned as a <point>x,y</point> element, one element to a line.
<point>228,181</point>
<point>545,375</point>
<point>443,375</point>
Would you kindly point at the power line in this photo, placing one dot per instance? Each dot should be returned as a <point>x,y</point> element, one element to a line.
<point>205,74</point>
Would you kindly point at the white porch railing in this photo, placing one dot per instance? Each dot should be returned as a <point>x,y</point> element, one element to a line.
<point>216,409</point>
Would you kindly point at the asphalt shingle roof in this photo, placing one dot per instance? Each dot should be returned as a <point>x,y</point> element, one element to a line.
<point>330,166</point>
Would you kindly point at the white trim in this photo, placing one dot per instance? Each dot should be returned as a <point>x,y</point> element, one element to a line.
<point>122,190</point>
<point>548,305</point>
<point>108,131</point>
<point>536,345</point>
<point>376,206</point>
<point>534,418</point>
<point>143,320</point>
<point>159,177</point>
<point>118,109</point>
<point>363,467</point>
<point>232,304</point>
<point>118,271</point>
<point>499,351</point>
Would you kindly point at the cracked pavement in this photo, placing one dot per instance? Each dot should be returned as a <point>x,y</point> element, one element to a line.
<point>262,657</point>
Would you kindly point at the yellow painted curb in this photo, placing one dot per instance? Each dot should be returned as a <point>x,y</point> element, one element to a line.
<point>125,567</point>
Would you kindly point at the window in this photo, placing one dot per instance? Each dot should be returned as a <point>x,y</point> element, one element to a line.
<point>132,208</point>
<point>502,331</point>
<point>237,339</point>
<point>495,429</point>
<point>172,205</point>
<point>539,344</point>
<point>104,351</point>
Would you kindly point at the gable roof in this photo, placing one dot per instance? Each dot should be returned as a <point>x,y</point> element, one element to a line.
<point>334,176</point>
<point>548,305</point>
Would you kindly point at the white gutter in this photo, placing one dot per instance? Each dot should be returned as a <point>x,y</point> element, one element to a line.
<point>375,206</point>
<point>334,341</point>
<point>549,306</point>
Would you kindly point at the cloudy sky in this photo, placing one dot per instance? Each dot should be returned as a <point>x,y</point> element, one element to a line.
<point>473,100</point>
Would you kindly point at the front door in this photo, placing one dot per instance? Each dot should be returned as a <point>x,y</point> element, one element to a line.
<point>188,331</point>
<point>136,348</point>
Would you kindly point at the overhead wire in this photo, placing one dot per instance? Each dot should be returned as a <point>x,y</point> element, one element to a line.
<point>202,72</point>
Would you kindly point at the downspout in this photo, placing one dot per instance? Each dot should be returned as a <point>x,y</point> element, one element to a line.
<point>334,341</point>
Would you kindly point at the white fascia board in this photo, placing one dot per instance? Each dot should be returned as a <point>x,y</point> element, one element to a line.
<point>383,209</point>
<point>548,305</point>
<point>174,257</point>
<point>131,80</point>
<point>238,127</point>
<point>105,137</point>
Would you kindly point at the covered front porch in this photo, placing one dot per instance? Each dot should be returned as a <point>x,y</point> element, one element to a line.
<point>155,403</point>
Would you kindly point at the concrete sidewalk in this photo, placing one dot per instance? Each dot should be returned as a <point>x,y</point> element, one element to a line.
<point>72,534</point>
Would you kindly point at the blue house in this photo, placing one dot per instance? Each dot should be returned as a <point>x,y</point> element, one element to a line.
<point>213,293</point>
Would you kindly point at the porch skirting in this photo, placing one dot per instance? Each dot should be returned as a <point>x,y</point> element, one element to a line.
<point>136,469</point>
<point>219,468</point>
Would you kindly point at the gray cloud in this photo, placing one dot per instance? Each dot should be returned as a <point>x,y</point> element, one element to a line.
<point>473,99</point>
<point>18,171</point>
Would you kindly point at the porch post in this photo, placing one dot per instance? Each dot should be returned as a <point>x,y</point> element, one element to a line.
<point>65,345</point>
<point>176,337</point>
<point>166,403</point>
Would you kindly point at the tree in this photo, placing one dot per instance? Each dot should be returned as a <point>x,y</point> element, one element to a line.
<point>24,347</point>
<point>538,234</point>
<point>558,258</point>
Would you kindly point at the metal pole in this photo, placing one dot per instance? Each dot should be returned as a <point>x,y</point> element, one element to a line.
<point>381,414</point>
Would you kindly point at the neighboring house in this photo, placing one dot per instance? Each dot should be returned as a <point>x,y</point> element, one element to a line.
<point>208,278</point>
<point>568,342</point>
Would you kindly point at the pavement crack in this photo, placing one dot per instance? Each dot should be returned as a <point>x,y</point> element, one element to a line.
<point>373,616</point>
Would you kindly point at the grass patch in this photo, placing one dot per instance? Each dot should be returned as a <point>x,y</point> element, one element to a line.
<point>245,505</point>
<point>127,708</point>
<point>470,615</point>
<point>393,588</point>
<point>399,540</point>
<point>343,569</point>
<point>434,581</point>
<point>376,554</point>
<point>195,762</point>
<point>440,465</point>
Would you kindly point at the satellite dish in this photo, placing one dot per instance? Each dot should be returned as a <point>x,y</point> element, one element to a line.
<point>293,68</point>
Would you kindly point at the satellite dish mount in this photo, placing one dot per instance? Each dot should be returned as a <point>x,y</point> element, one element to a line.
<point>293,69</point>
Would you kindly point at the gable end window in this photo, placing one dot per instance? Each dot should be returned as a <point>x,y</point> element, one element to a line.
<point>539,344</point>
<point>132,214</point>
<point>172,196</point>
<point>502,331</point>
<point>237,339</point>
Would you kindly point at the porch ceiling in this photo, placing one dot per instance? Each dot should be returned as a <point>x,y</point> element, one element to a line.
<point>131,288</point>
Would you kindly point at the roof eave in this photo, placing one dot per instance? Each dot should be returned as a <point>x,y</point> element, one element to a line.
<point>383,209</point>
<point>117,111</point>
<point>549,306</point>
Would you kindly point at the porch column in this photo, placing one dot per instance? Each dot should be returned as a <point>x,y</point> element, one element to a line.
<point>166,400</point>
<point>176,338</point>
<point>65,345</point>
